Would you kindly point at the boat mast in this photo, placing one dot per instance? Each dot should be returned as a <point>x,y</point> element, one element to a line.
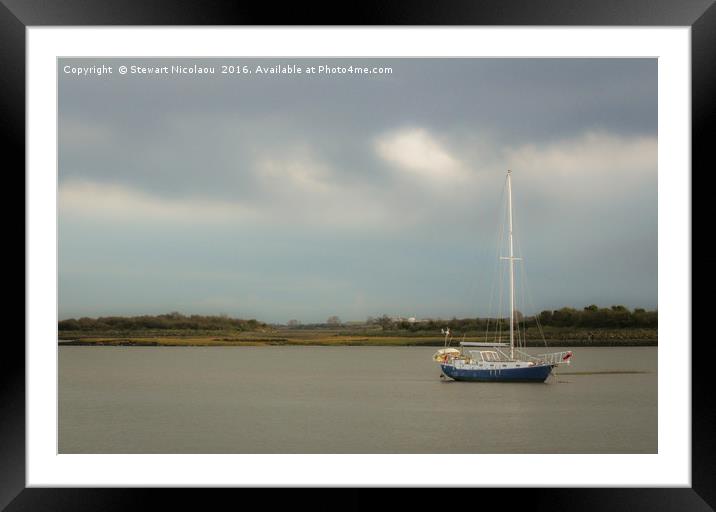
<point>511,258</point>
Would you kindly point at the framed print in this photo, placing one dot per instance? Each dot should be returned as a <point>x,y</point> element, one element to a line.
<point>314,255</point>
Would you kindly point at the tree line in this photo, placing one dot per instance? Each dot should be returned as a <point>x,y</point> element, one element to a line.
<point>169,321</point>
<point>614,317</point>
<point>593,316</point>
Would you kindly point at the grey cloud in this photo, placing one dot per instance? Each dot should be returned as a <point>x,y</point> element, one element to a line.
<point>168,133</point>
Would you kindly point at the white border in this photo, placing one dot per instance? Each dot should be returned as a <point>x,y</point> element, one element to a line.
<point>671,467</point>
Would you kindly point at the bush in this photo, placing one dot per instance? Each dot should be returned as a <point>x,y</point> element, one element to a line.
<point>174,321</point>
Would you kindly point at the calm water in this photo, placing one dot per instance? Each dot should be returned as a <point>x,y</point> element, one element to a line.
<point>344,400</point>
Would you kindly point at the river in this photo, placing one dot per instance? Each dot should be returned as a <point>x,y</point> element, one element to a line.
<point>293,399</point>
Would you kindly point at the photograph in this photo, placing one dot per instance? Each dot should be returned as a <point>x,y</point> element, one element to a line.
<point>417,246</point>
<point>357,255</point>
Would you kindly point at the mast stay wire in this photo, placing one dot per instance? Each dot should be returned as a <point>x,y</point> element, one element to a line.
<point>497,275</point>
<point>528,290</point>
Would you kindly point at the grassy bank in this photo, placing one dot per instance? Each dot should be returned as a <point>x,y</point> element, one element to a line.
<point>556,337</point>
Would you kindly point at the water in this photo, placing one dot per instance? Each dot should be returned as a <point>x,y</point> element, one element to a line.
<point>345,400</point>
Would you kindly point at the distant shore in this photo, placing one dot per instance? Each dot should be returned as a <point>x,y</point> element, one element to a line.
<point>320,337</point>
<point>179,343</point>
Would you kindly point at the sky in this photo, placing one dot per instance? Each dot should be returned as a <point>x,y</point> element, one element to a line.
<point>302,196</point>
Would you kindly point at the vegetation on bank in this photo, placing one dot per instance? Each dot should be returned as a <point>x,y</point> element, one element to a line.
<point>329,337</point>
<point>567,326</point>
<point>167,322</point>
<point>614,317</point>
<point>590,317</point>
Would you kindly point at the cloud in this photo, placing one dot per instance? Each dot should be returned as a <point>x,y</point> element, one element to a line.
<point>591,158</point>
<point>297,187</point>
<point>296,173</point>
<point>293,196</point>
<point>76,134</point>
<point>417,152</point>
<point>87,199</point>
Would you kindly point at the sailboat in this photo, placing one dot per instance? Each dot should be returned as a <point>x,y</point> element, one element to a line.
<point>498,361</point>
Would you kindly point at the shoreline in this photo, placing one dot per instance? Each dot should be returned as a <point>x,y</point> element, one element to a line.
<point>337,343</point>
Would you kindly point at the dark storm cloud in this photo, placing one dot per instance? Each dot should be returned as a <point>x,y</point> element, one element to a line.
<point>188,135</point>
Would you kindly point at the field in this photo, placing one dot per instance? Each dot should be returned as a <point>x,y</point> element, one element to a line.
<point>348,337</point>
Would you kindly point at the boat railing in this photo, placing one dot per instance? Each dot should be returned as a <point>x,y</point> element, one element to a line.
<point>563,357</point>
<point>525,356</point>
<point>488,356</point>
<point>551,358</point>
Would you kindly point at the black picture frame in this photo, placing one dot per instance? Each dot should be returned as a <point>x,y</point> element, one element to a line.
<point>700,15</point>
